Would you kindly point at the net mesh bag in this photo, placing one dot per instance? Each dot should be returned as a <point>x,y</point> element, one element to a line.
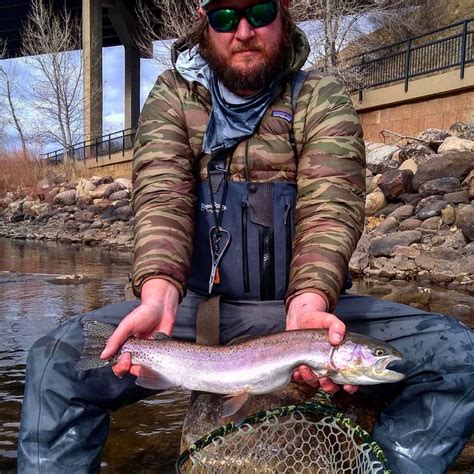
<point>308,438</point>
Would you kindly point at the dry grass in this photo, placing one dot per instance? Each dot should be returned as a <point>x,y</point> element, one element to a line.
<point>21,175</point>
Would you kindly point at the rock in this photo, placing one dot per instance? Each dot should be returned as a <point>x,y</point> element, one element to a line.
<point>374,202</point>
<point>448,215</point>
<point>462,311</point>
<point>15,207</point>
<point>40,209</point>
<point>439,186</point>
<point>449,165</point>
<point>457,197</point>
<point>99,180</point>
<point>388,225</point>
<point>432,223</point>
<point>455,240</point>
<point>125,183</point>
<point>91,236</point>
<point>382,246</point>
<point>359,262</point>
<point>50,195</point>
<point>411,198</point>
<point>415,151</point>
<point>85,216</point>
<point>468,249</point>
<point>404,251</point>
<point>456,144</point>
<point>387,164</point>
<point>69,280</point>
<point>462,130</point>
<point>121,211</point>
<point>83,203</point>
<point>120,195</point>
<point>376,153</point>
<point>84,189</point>
<point>373,183</point>
<point>433,137</point>
<point>104,191</point>
<point>465,221</point>
<point>99,206</point>
<point>388,209</point>
<point>409,165</point>
<point>394,183</point>
<point>443,252</point>
<point>402,212</point>
<point>97,224</point>
<point>17,217</point>
<point>410,224</point>
<point>66,198</point>
<point>431,210</point>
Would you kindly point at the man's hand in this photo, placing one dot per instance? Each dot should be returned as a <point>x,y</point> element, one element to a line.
<point>308,311</point>
<point>157,313</point>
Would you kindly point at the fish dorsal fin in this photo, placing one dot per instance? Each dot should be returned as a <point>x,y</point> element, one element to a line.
<point>160,336</point>
<point>237,407</point>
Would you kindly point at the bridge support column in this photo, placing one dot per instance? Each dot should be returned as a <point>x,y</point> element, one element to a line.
<point>92,64</point>
<point>132,86</point>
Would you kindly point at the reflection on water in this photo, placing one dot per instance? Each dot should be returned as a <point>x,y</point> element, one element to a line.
<point>144,437</point>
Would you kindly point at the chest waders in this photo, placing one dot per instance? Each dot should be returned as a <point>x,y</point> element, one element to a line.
<point>252,243</point>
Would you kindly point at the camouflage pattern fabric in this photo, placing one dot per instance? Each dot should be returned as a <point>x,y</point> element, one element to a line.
<point>329,174</point>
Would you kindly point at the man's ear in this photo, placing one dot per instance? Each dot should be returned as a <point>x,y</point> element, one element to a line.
<point>201,13</point>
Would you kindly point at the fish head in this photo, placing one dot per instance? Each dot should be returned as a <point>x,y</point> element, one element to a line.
<point>362,360</point>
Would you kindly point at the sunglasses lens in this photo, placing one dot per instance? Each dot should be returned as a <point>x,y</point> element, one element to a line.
<point>223,20</point>
<point>262,14</point>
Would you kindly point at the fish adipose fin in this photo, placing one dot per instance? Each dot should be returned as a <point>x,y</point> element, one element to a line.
<point>237,407</point>
<point>96,334</point>
<point>160,336</point>
<point>148,378</point>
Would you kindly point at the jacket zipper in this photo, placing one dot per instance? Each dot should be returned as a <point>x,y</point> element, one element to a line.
<point>289,240</point>
<point>245,256</point>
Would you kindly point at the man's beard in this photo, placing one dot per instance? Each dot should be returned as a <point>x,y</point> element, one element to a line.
<point>254,78</point>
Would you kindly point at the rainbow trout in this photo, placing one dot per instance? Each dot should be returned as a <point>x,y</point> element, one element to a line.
<point>253,366</point>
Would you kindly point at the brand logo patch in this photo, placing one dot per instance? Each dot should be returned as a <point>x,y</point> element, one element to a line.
<point>283,115</point>
<point>208,207</point>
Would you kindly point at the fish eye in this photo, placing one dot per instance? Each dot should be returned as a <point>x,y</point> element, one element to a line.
<point>379,351</point>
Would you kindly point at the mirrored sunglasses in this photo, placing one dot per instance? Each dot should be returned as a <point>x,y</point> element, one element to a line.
<point>225,20</point>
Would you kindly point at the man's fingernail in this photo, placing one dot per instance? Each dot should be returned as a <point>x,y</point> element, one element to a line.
<point>337,338</point>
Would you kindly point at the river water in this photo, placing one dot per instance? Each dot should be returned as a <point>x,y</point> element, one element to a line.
<point>34,300</point>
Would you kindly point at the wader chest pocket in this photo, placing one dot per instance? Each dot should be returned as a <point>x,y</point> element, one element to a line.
<point>260,220</point>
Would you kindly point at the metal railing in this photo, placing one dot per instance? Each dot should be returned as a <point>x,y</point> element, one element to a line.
<point>107,145</point>
<point>413,57</point>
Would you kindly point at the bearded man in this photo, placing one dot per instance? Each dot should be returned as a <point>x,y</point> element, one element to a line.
<point>249,186</point>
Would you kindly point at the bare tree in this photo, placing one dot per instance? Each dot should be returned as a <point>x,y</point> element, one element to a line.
<point>52,42</point>
<point>10,97</point>
<point>174,20</point>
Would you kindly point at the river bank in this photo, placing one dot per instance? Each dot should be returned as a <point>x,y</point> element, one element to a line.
<point>419,212</point>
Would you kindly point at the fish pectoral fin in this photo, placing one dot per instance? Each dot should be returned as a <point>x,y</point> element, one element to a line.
<point>237,407</point>
<point>148,378</point>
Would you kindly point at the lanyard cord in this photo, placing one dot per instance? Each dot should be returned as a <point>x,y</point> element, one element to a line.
<point>219,215</point>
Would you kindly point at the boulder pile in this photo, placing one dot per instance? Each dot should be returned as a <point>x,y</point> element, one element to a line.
<point>419,209</point>
<point>92,211</point>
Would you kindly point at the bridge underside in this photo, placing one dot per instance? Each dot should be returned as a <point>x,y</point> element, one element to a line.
<point>105,23</point>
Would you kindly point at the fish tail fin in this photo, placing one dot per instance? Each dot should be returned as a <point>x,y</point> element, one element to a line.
<point>96,334</point>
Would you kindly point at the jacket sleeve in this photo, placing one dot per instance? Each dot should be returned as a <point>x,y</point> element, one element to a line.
<point>331,191</point>
<point>163,189</point>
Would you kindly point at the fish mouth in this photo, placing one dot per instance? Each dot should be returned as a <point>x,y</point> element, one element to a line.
<point>381,371</point>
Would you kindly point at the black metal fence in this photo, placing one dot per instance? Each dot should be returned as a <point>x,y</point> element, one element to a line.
<point>420,55</point>
<point>106,145</point>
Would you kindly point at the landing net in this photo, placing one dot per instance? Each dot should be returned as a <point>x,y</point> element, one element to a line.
<point>310,438</point>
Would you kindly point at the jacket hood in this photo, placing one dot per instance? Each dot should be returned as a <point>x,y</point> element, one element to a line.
<point>299,52</point>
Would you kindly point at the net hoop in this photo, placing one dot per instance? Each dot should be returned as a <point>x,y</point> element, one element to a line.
<point>310,407</point>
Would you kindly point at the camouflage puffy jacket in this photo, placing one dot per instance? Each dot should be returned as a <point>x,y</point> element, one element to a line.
<point>330,177</point>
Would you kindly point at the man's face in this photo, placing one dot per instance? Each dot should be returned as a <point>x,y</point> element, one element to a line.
<point>247,59</point>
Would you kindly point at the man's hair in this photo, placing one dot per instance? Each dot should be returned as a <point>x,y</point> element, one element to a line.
<point>198,31</point>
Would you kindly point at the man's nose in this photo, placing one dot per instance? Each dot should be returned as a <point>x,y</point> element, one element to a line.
<point>244,30</point>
